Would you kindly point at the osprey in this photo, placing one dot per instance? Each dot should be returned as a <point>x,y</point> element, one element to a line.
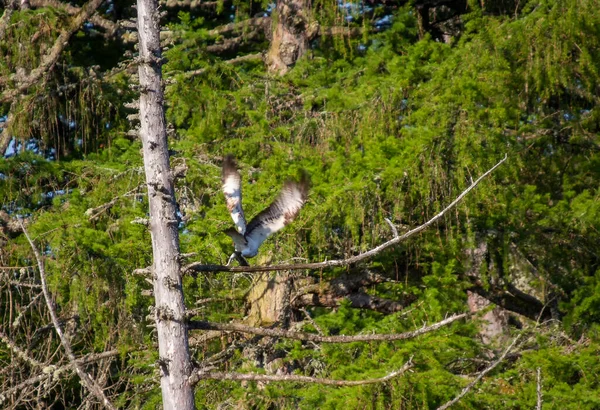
<point>283,210</point>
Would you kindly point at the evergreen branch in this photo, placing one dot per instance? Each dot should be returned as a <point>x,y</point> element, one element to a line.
<point>480,376</point>
<point>85,378</point>
<point>199,267</point>
<point>109,26</point>
<point>311,337</point>
<point>9,8</point>
<point>52,56</point>
<point>202,375</point>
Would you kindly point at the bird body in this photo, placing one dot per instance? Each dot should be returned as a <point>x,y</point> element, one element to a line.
<point>248,238</point>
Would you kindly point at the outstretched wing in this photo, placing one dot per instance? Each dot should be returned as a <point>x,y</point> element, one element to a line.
<point>280,213</point>
<point>232,188</point>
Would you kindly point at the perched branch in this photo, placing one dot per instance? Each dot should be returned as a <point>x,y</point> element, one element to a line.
<point>202,375</point>
<point>86,379</point>
<point>480,376</point>
<point>310,337</point>
<point>52,56</point>
<point>198,267</point>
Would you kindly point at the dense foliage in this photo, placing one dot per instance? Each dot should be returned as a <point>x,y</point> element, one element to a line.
<point>390,125</point>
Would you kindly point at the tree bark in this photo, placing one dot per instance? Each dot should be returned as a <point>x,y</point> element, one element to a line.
<point>291,35</point>
<point>174,356</point>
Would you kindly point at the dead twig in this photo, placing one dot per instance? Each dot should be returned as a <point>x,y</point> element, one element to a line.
<point>480,376</point>
<point>236,327</point>
<point>86,379</point>
<point>203,375</point>
<point>540,396</point>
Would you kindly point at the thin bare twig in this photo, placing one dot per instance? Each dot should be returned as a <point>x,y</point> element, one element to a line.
<point>18,351</point>
<point>480,376</point>
<point>392,227</point>
<point>199,267</point>
<point>311,337</point>
<point>201,375</point>
<point>540,395</point>
<point>86,379</point>
<point>51,372</point>
<point>312,322</point>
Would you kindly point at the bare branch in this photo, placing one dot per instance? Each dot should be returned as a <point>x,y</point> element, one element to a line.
<point>236,327</point>
<point>392,227</point>
<point>191,4</point>
<point>202,375</point>
<point>199,267</point>
<point>236,60</point>
<point>52,56</point>
<point>86,379</point>
<point>109,26</point>
<point>94,213</point>
<point>50,372</point>
<point>18,351</point>
<point>480,376</point>
<point>257,22</point>
<point>511,298</point>
<point>357,299</point>
<point>312,322</point>
<point>540,396</point>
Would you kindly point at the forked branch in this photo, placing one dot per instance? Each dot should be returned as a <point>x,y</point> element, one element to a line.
<point>199,267</point>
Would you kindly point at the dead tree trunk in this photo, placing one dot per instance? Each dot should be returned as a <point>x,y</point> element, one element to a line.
<point>174,356</point>
<point>290,35</point>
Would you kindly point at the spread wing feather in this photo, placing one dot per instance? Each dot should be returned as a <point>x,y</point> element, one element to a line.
<point>281,212</point>
<point>232,188</point>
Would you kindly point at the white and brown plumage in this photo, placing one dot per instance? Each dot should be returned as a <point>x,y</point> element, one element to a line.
<point>283,210</point>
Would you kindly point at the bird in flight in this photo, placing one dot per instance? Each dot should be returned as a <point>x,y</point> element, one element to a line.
<point>283,210</point>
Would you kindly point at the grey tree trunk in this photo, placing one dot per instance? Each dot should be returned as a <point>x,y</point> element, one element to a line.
<point>174,360</point>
